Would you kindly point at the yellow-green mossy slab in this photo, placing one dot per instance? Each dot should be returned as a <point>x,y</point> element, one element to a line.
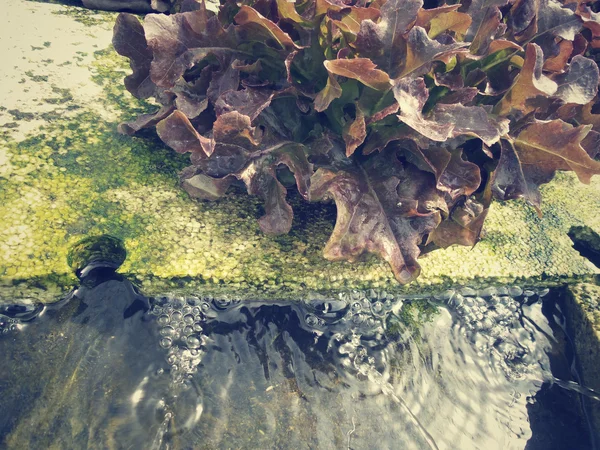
<point>66,174</point>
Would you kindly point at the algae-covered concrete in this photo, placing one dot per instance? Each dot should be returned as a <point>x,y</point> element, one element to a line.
<point>66,174</point>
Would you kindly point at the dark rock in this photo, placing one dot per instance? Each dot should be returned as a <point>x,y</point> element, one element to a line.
<point>587,242</point>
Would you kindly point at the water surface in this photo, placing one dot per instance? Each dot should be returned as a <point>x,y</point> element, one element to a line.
<point>109,368</point>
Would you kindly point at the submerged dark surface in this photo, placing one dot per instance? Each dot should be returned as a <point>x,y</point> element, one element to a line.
<point>108,368</point>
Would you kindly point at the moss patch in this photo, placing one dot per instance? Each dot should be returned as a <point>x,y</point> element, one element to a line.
<point>63,96</point>
<point>82,15</point>
<point>108,71</point>
<point>411,318</point>
<point>36,78</point>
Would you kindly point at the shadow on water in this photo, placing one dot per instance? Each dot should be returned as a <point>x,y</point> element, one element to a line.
<point>109,368</point>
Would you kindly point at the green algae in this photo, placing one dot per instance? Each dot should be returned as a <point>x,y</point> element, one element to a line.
<point>64,96</point>
<point>413,315</point>
<point>20,115</point>
<point>85,16</point>
<point>36,78</point>
<point>108,71</point>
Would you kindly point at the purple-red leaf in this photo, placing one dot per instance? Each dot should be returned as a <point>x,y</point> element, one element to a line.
<point>329,93</point>
<point>235,151</point>
<point>251,21</point>
<point>199,185</point>
<point>419,52</point>
<point>260,179</point>
<point>226,79</point>
<point>561,56</point>
<point>450,21</point>
<point>509,181</point>
<point>485,24</point>
<point>383,208</point>
<point>580,83</point>
<point>486,30</point>
<point>191,97</point>
<point>530,19</point>
<point>145,121</point>
<point>545,147</point>
<point>129,40</point>
<point>178,133</point>
<point>361,69</point>
<point>454,175</point>
<point>411,95</point>
<point>263,182</point>
<point>249,102</point>
<point>464,226</point>
<point>349,19</point>
<point>552,18</point>
<point>381,41</point>
<point>530,83</point>
<point>355,132</point>
<point>361,224</point>
<point>539,151</point>
<point>397,16</point>
<point>179,40</point>
<point>425,16</point>
<point>445,121</point>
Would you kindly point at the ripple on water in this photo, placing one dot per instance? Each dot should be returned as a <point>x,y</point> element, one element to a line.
<point>462,369</point>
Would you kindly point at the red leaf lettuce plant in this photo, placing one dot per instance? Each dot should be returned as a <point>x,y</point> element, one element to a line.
<point>412,120</point>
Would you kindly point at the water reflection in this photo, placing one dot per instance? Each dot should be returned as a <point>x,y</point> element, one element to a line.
<point>468,369</point>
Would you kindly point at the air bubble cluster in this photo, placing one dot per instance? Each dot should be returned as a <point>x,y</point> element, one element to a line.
<point>180,328</point>
<point>8,324</point>
<point>365,312</point>
<point>14,318</point>
<point>492,318</point>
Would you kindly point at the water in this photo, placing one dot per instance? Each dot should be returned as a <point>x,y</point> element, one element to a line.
<point>466,369</point>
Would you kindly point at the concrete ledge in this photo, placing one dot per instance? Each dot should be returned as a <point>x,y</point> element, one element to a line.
<point>583,318</point>
<point>65,174</point>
